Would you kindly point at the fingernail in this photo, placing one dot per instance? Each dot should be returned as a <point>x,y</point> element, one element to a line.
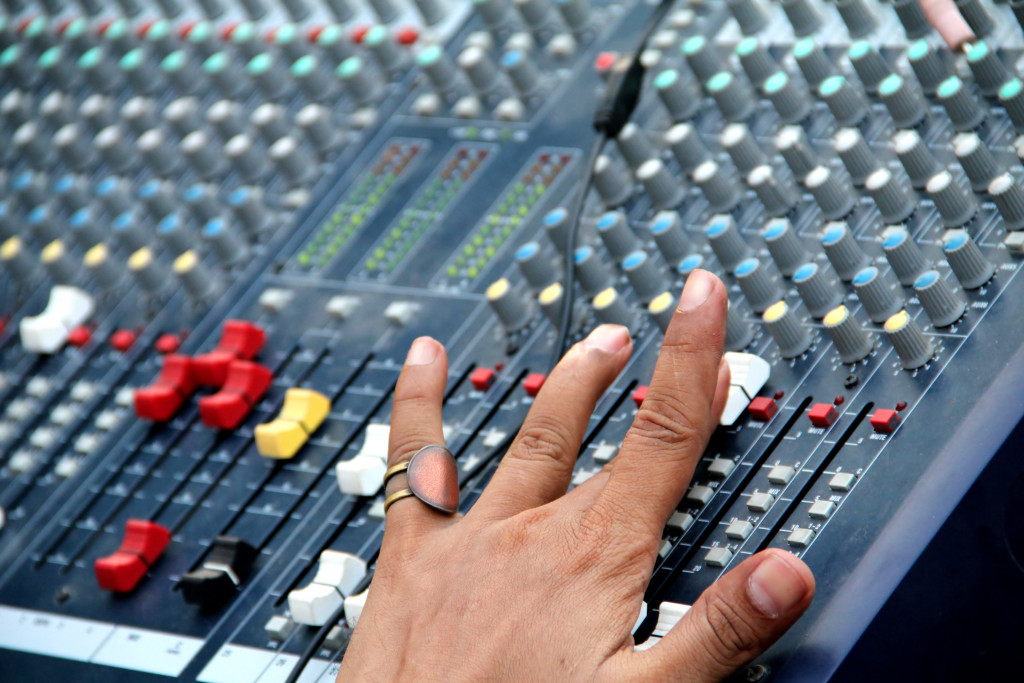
<point>775,587</point>
<point>422,352</point>
<point>609,338</point>
<point>698,287</point>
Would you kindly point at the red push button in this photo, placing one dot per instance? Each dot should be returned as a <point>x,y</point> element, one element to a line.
<point>245,384</point>
<point>762,408</point>
<point>240,340</point>
<point>823,414</point>
<point>167,343</point>
<point>482,379</point>
<point>143,544</point>
<point>79,336</point>
<point>533,383</point>
<point>885,421</point>
<point>161,400</point>
<point>639,395</point>
<point>122,340</point>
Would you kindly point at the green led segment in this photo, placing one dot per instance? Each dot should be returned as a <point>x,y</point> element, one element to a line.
<point>515,208</point>
<point>427,209</point>
<point>360,205</point>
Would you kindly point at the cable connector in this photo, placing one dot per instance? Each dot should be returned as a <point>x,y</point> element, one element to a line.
<point>621,96</point>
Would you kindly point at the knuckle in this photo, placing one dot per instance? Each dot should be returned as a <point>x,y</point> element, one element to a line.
<point>733,638</point>
<point>544,440</point>
<point>403,446</point>
<point>669,420</point>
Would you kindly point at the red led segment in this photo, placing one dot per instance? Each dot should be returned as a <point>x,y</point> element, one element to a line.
<point>885,421</point>
<point>823,414</point>
<point>482,379</point>
<point>639,395</point>
<point>763,408</point>
<point>143,544</point>
<point>533,383</point>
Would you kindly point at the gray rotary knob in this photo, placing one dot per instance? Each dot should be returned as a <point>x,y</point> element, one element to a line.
<point>158,152</point>
<point>976,17</point>
<point>271,121</point>
<point>175,234</point>
<point>226,75</point>
<point>612,309</point>
<point>314,120</point>
<point>616,234</point>
<point>612,182</point>
<point>742,148</point>
<point>441,71</point>
<point>929,65</point>
<point>748,15</point>
<point>73,147</point>
<point>662,309</point>
<point>249,209</point>
<point>495,13</point>
<point>245,157</point>
<point>790,336</point>
<point>903,255</point>
<point>509,304</point>
<point>989,71</point>
<point>557,226</point>
<point>877,293</point>
<point>833,194</point>
<point>56,109</point>
<point>551,299</point>
<point>759,287</point>
<point>663,189</point>
<point>962,107</point>
<point>869,64</point>
<point>904,100</point>
<point>158,197</point>
<point>791,142</point>
<point>955,203</point>
<point>687,147</point>
<point>857,157</point>
<point>201,200</point>
<point>644,276</point>
<point>790,98</point>
<point>195,277</point>
<point>115,148</point>
<point>115,195</point>
<point>577,14</point>
<point>755,59</point>
<point>892,194</point>
<point>734,97</point>
<point>58,262</point>
<point>813,62</point>
<point>42,224</point>
<point>910,14</point>
<point>102,267</point>
<point>227,118</point>
<point>16,260</point>
<point>776,194</point>
<point>913,348</point>
<point>634,145</point>
<point>130,231</point>
<point>976,159</point>
<point>85,229</point>
<point>293,160</point>
<point>719,189</point>
<point>537,14</point>
<point>1011,96</point>
<point>703,58</point>
<point>536,265</point>
<point>943,305</point>
<point>802,16</point>
<point>847,105</point>
<point>226,241</point>
<point>72,192</point>
<point>591,271</point>
<point>1008,197</point>
<point>785,247</point>
<point>842,250</point>
<point>182,116</point>
<point>724,237</point>
<point>522,71</point>
<point>738,332</point>
<point>969,265</point>
<point>915,156</point>
<point>847,334</point>
<point>479,68</point>
<point>669,236</point>
<point>859,20</point>
<point>679,94</point>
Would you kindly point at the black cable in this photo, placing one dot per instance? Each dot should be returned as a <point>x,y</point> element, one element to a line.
<point>621,95</point>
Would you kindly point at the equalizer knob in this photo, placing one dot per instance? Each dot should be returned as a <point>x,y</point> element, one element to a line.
<point>679,94</point>
<point>915,156</point>
<point>147,270</point>
<point>85,229</point>
<point>663,189</point>
<point>857,157</point>
<point>913,348</point>
<point>16,260</point>
<point>892,195</point>
<point>612,309</point>
<point>229,246</point>
<point>742,148</point>
<point>976,159</point>
<point>1011,96</point>
<point>750,17</point>
<point>719,189</point>
<point>643,275</point>
<point>847,105</point>
<point>536,265</point>
<point>551,299</point>
<point>686,146</point>
<point>869,64</point>
<point>756,61</point>
<point>877,294</point>
<point>790,98</point>
<point>480,69</point>
<point>616,234</point>
<point>1008,197</point>
<point>802,16</point>
<point>969,265</point>
<point>842,250</point>
<point>738,332</point>
<point>858,18</point>
<point>833,194</point>
<point>662,309</point>
<point>784,246</point>
<point>734,97</point>
<point>989,71</point>
<point>791,337</point>
<point>943,305</point>
<point>903,255</point>
<point>612,182</point>
<point>929,66</point>
<point>850,339</point>
<point>669,236</point>
<point>703,57</point>
<point>903,99</point>
<point>591,271</point>
<point>510,305</point>
<point>58,263</point>
<point>911,15</point>
<point>522,71</point>
<point>759,287</point>
<point>729,246</point>
<point>954,202</point>
<point>102,267</point>
<point>817,289</point>
<point>775,193</point>
<point>965,113</point>
<point>791,142</point>
<point>813,62</point>
<point>634,145</point>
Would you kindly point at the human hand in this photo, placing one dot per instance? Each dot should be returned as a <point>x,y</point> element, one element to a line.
<point>534,583</point>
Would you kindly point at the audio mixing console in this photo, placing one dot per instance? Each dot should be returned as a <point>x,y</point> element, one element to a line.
<point>223,222</point>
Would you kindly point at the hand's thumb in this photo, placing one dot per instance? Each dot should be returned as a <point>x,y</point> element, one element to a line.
<point>735,619</point>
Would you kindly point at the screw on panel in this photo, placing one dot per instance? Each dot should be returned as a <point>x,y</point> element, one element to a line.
<point>758,672</point>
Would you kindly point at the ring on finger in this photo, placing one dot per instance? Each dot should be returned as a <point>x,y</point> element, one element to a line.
<point>433,478</point>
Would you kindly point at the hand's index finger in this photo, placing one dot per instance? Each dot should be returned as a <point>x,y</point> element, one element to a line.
<point>671,429</point>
